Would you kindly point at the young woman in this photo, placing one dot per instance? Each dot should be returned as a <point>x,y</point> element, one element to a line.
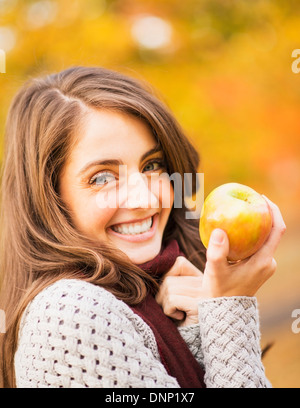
<point>105,283</point>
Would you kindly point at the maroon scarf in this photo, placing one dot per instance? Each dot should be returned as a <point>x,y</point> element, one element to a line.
<point>174,352</point>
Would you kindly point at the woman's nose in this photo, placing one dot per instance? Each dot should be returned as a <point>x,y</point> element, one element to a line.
<point>139,194</point>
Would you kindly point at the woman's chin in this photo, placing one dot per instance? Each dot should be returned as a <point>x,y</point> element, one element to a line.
<point>141,255</point>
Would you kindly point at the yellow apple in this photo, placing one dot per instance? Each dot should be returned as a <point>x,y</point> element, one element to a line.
<point>242,213</point>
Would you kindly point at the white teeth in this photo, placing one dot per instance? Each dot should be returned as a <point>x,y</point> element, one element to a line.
<point>133,228</point>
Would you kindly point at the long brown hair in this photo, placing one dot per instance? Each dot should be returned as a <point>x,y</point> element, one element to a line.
<point>39,243</point>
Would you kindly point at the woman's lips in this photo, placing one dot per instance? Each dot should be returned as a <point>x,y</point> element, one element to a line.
<point>143,236</point>
<point>139,220</point>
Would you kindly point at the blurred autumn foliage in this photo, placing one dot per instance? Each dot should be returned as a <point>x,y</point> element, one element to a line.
<point>224,68</point>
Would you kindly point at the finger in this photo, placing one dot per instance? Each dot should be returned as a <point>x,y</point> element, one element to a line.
<point>276,214</point>
<point>177,306</point>
<point>174,313</point>
<point>218,250</point>
<point>169,306</point>
<point>182,285</point>
<point>183,267</point>
<point>179,285</point>
<point>278,229</point>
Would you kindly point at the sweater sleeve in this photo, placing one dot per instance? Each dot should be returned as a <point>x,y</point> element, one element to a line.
<point>72,335</point>
<point>190,335</point>
<point>230,342</point>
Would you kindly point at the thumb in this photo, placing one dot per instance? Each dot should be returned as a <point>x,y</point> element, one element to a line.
<point>218,249</point>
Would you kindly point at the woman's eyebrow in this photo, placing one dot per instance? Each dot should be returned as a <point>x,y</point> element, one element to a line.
<point>156,149</point>
<point>106,162</point>
<point>115,162</point>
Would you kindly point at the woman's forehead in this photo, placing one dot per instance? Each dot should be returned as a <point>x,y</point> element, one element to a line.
<point>113,135</point>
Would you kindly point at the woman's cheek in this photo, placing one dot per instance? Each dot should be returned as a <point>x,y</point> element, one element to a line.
<point>107,199</point>
<point>165,192</point>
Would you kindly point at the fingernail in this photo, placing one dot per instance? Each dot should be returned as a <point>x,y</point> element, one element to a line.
<point>266,198</point>
<point>217,237</point>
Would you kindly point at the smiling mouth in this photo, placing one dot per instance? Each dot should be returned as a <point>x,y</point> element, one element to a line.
<point>133,228</point>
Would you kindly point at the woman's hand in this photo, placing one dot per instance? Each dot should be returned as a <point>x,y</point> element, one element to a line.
<point>180,292</point>
<point>243,278</point>
<point>184,285</point>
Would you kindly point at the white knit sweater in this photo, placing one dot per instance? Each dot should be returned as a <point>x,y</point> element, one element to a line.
<point>76,334</point>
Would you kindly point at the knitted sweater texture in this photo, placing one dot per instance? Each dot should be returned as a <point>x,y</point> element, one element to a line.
<point>76,334</point>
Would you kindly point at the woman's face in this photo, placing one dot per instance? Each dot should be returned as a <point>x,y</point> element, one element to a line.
<point>128,206</point>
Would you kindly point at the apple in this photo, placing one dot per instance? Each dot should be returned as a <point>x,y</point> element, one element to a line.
<point>242,213</point>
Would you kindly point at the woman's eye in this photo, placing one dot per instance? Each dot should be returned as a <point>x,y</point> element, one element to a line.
<point>102,179</point>
<point>153,166</point>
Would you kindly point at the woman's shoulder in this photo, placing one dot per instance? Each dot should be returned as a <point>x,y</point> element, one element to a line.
<point>73,307</point>
<point>73,323</point>
<point>74,291</point>
<point>68,299</point>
